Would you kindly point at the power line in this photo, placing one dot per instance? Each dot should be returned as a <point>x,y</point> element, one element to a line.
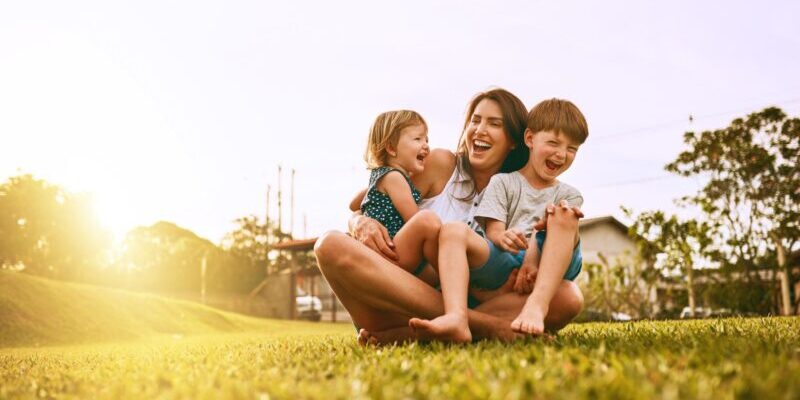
<point>634,181</point>
<point>652,129</point>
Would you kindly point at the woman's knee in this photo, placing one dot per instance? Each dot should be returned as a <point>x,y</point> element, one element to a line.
<point>572,300</point>
<point>329,249</point>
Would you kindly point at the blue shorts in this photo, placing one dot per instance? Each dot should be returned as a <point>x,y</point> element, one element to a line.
<point>494,273</point>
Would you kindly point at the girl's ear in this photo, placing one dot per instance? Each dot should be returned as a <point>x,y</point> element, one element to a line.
<point>391,150</point>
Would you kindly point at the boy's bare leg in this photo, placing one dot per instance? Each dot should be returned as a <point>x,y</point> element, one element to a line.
<point>459,248</point>
<point>418,240</point>
<point>555,259</point>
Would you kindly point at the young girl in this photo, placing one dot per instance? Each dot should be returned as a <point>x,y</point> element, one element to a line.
<point>396,150</point>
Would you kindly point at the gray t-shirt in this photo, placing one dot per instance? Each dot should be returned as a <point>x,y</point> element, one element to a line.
<point>511,199</point>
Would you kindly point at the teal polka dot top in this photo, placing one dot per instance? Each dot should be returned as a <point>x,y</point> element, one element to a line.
<point>378,206</point>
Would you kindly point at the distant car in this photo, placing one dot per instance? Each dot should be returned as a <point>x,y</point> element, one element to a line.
<point>308,307</point>
<point>699,312</point>
<point>620,316</point>
<point>705,312</point>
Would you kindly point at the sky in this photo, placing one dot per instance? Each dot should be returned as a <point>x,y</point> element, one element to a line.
<point>183,110</point>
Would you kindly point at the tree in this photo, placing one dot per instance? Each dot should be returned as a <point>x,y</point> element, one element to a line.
<point>46,230</point>
<point>751,199</point>
<point>623,284</point>
<point>166,257</point>
<point>671,245</point>
<point>254,240</point>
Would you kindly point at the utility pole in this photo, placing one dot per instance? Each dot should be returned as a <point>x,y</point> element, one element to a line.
<point>291,218</point>
<point>280,211</point>
<point>266,245</point>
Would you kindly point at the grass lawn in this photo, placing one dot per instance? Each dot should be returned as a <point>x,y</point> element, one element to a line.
<point>733,358</point>
<point>62,340</point>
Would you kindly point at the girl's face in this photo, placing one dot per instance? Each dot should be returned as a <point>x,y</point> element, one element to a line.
<point>487,143</point>
<point>411,150</point>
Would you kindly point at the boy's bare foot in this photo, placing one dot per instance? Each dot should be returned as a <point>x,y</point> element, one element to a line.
<point>398,335</point>
<point>530,320</point>
<point>447,328</point>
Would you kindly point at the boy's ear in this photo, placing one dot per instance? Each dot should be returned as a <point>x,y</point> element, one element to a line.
<point>528,137</point>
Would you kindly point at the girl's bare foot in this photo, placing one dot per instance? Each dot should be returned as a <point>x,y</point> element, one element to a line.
<point>530,320</point>
<point>451,327</point>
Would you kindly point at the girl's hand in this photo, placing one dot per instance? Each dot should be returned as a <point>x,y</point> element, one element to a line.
<point>512,241</point>
<point>373,235</point>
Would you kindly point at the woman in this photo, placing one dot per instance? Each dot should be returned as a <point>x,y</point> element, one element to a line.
<point>380,296</point>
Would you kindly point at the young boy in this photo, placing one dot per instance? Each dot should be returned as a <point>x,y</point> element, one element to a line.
<point>512,204</point>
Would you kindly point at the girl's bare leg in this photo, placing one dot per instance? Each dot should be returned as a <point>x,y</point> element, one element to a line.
<point>460,248</point>
<point>418,240</point>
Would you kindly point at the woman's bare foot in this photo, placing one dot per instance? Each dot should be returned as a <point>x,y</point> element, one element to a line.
<point>398,335</point>
<point>451,327</point>
<point>530,320</point>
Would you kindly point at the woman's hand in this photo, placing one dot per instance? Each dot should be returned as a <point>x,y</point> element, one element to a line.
<point>373,235</point>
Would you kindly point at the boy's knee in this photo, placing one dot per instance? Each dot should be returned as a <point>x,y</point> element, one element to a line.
<point>563,219</point>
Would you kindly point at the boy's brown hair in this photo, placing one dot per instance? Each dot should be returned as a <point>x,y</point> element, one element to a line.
<point>560,116</point>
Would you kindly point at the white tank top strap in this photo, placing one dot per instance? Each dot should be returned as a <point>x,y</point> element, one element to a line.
<point>447,204</point>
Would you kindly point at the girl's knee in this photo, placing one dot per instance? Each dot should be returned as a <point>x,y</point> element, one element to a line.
<point>427,219</point>
<point>454,231</point>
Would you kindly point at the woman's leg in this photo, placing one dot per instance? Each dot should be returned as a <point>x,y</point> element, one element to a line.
<point>380,296</point>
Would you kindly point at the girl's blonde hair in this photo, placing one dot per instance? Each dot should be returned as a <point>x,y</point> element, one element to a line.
<point>386,131</point>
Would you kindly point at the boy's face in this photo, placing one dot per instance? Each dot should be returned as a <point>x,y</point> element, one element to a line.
<point>552,153</point>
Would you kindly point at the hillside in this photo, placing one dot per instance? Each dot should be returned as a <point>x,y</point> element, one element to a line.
<point>36,311</point>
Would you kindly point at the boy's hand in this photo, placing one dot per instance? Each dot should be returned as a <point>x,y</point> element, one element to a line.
<point>512,241</point>
<point>551,208</point>
<point>526,279</point>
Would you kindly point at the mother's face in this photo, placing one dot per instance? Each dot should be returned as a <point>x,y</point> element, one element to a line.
<point>485,137</point>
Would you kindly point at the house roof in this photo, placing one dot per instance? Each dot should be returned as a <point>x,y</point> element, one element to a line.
<point>296,245</point>
<point>587,222</point>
